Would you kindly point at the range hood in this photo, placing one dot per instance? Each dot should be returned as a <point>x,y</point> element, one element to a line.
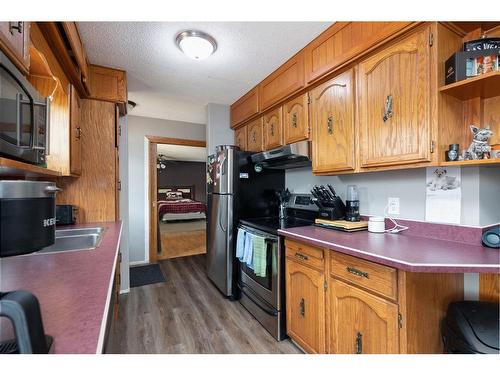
<point>295,155</point>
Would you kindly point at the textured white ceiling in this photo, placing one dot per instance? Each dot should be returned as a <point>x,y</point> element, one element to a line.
<point>167,84</point>
<point>184,153</point>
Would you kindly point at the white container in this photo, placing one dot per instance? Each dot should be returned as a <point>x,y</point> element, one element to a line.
<point>376,224</point>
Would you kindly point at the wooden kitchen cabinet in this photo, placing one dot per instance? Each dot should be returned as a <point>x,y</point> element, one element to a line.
<point>255,139</point>
<point>332,112</point>
<point>245,107</point>
<point>283,82</point>
<point>273,129</point>
<point>108,84</point>
<point>305,306</point>
<point>14,42</point>
<point>240,138</point>
<point>361,323</point>
<point>394,103</point>
<point>75,133</point>
<point>296,119</point>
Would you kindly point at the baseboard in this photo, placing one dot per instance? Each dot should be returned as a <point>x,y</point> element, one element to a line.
<point>138,262</point>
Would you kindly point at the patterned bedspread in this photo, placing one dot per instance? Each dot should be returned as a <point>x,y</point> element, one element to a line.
<point>181,206</point>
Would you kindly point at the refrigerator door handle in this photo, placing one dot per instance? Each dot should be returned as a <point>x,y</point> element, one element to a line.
<point>222,213</point>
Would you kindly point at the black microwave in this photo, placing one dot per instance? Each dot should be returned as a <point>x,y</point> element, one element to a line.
<point>24,117</point>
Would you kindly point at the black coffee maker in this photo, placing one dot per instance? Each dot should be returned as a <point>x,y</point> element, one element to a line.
<point>27,224</point>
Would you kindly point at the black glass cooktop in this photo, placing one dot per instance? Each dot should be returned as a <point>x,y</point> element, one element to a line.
<point>272,224</point>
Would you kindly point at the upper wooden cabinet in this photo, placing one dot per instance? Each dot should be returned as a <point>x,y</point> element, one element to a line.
<point>361,323</point>
<point>14,42</point>
<point>245,107</point>
<point>343,41</point>
<point>75,133</point>
<point>107,84</point>
<point>296,119</point>
<point>332,112</point>
<point>65,41</point>
<point>273,129</point>
<point>240,138</point>
<point>283,82</point>
<point>394,103</point>
<point>305,306</point>
<point>255,136</point>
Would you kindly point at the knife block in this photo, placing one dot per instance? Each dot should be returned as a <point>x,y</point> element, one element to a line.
<point>335,212</point>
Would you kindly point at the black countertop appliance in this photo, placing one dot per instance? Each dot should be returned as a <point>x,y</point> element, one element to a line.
<point>27,224</point>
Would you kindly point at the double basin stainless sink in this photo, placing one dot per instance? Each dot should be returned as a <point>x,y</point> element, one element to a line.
<point>75,239</point>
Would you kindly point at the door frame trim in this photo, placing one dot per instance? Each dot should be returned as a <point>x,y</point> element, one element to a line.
<point>153,142</point>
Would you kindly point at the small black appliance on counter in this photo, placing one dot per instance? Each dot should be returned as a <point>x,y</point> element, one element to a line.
<point>471,327</point>
<point>27,224</point>
<point>329,203</point>
<point>66,214</point>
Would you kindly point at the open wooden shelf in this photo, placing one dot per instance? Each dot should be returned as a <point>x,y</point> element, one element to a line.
<point>14,168</point>
<point>471,162</point>
<point>485,86</point>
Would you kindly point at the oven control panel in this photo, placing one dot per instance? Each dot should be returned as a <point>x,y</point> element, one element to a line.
<point>302,202</point>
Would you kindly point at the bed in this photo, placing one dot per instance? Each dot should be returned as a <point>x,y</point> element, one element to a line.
<point>178,203</point>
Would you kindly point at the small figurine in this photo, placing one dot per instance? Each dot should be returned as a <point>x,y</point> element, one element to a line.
<point>479,148</point>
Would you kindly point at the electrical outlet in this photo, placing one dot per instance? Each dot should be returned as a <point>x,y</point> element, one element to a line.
<point>393,206</point>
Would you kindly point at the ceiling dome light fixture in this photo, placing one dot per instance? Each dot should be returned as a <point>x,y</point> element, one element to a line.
<point>196,44</point>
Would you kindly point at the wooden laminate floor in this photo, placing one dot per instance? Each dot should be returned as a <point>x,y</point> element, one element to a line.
<point>187,314</point>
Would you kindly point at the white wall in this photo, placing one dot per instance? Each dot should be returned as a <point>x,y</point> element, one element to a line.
<point>479,193</point>
<point>218,130</point>
<point>138,128</point>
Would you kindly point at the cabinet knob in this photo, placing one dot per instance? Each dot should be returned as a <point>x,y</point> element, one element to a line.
<point>272,129</point>
<point>329,124</point>
<point>302,306</point>
<point>388,108</point>
<point>294,120</point>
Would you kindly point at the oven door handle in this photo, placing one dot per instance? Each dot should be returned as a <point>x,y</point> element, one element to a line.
<point>256,301</point>
<point>19,97</point>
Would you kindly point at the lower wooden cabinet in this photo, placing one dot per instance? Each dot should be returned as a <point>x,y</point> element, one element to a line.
<point>305,306</point>
<point>361,322</point>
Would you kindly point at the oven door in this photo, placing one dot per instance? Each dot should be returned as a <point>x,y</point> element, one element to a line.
<point>265,288</point>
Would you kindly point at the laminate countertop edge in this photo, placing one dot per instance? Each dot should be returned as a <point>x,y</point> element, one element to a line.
<point>102,332</point>
<point>394,261</point>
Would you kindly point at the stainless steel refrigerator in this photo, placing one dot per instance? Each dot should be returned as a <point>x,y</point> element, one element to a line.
<point>222,188</point>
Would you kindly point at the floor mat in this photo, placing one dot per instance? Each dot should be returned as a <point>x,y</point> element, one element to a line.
<point>144,275</point>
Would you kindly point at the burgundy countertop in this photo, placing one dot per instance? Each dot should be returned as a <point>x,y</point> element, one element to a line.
<point>403,251</point>
<point>73,288</point>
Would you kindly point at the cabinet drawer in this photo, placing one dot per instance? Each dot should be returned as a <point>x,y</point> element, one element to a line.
<point>305,254</point>
<point>375,277</point>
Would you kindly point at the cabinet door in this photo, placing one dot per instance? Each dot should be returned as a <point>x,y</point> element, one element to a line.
<point>14,42</point>
<point>245,107</point>
<point>332,111</point>
<point>296,119</point>
<point>240,138</point>
<point>254,135</point>
<point>273,129</point>
<point>394,103</point>
<point>107,84</point>
<point>361,322</point>
<point>75,133</point>
<point>305,306</point>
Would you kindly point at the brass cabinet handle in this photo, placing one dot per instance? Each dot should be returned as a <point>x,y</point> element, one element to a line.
<point>16,26</point>
<point>301,256</point>
<point>302,306</point>
<point>359,343</point>
<point>294,120</point>
<point>329,124</point>
<point>357,272</point>
<point>388,108</point>
<point>272,129</point>
<point>254,137</point>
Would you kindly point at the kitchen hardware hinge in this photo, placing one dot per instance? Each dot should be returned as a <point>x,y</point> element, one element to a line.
<point>119,185</point>
<point>432,147</point>
<point>325,285</point>
<point>400,320</point>
<point>309,98</point>
<point>119,130</point>
<point>431,39</point>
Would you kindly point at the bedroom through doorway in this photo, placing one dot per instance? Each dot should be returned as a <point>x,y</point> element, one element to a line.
<point>178,195</point>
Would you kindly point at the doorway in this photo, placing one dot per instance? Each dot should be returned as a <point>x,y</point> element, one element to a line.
<point>177,192</point>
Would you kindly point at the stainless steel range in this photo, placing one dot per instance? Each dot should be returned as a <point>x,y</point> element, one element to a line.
<point>264,295</point>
